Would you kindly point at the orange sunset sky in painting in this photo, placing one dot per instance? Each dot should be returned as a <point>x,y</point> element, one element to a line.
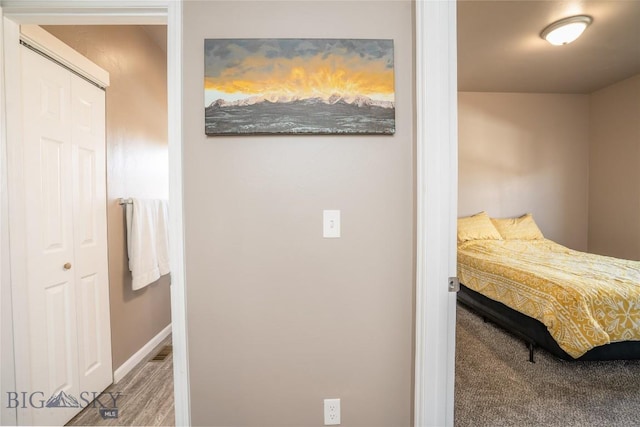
<point>301,68</point>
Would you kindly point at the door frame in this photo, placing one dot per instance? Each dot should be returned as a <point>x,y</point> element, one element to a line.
<point>90,12</point>
<point>436,181</point>
<point>437,206</point>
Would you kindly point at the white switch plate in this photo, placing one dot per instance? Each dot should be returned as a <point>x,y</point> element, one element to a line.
<point>331,412</point>
<point>330,223</point>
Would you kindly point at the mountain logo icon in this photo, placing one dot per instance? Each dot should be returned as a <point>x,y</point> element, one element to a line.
<point>62,400</point>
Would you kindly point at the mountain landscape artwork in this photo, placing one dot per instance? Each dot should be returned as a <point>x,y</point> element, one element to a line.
<point>299,86</point>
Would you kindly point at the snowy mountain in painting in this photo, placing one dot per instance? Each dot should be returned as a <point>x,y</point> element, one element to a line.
<point>358,100</point>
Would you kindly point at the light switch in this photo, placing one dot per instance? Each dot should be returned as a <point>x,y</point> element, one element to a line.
<point>330,223</point>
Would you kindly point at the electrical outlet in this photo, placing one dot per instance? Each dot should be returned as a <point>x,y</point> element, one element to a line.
<point>331,412</point>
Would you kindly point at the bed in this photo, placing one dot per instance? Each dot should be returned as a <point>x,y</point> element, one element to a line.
<point>577,306</point>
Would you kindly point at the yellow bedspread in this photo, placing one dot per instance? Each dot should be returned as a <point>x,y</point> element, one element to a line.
<point>584,300</point>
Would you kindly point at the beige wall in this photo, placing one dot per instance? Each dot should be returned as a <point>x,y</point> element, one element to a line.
<point>136,166</point>
<point>523,153</point>
<point>614,187</point>
<point>280,318</point>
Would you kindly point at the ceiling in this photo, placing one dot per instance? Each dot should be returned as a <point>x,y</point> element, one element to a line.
<point>500,50</point>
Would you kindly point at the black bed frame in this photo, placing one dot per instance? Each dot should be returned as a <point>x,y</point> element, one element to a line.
<point>535,334</point>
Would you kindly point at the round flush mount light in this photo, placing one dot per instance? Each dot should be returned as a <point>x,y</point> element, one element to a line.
<point>566,30</point>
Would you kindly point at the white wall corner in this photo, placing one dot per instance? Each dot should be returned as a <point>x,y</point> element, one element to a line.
<point>182,398</point>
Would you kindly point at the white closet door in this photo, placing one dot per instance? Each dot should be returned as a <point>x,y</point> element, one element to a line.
<point>90,235</point>
<point>51,288</point>
<point>70,347</point>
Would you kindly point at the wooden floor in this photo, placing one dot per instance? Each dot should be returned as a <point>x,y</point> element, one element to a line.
<point>146,396</point>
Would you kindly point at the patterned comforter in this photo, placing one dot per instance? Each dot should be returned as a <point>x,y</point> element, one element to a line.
<point>584,300</point>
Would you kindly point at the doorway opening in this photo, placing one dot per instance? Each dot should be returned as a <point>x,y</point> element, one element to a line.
<point>19,14</point>
<point>536,138</point>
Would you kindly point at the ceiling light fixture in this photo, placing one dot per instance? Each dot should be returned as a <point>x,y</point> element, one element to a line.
<point>566,30</point>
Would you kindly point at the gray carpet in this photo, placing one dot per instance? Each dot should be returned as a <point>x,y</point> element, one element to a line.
<point>497,386</point>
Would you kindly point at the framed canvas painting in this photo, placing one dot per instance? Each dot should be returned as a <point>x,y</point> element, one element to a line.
<point>299,86</point>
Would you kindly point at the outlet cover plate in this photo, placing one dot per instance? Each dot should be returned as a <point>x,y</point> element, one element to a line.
<point>331,412</point>
<point>331,224</point>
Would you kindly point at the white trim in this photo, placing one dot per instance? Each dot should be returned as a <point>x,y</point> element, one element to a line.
<point>140,355</point>
<point>87,12</point>
<point>17,224</point>
<point>182,397</point>
<point>436,112</point>
<point>90,13</point>
<point>8,416</point>
<point>37,37</point>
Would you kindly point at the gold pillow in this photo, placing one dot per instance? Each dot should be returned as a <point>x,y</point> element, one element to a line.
<point>521,228</point>
<point>477,227</point>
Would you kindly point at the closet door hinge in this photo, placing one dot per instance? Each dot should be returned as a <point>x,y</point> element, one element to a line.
<point>454,284</point>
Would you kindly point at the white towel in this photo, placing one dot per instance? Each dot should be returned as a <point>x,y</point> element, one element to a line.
<point>147,241</point>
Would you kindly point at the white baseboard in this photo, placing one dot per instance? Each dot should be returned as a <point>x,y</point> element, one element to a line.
<point>139,356</point>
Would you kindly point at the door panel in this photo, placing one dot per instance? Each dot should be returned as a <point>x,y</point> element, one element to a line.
<point>53,100</point>
<point>68,284</point>
<point>59,343</point>
<point>51,156</point>
<point>86,183</point>
<point>90,306</point>
<point>51,292</point>
<point>90,234</point>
